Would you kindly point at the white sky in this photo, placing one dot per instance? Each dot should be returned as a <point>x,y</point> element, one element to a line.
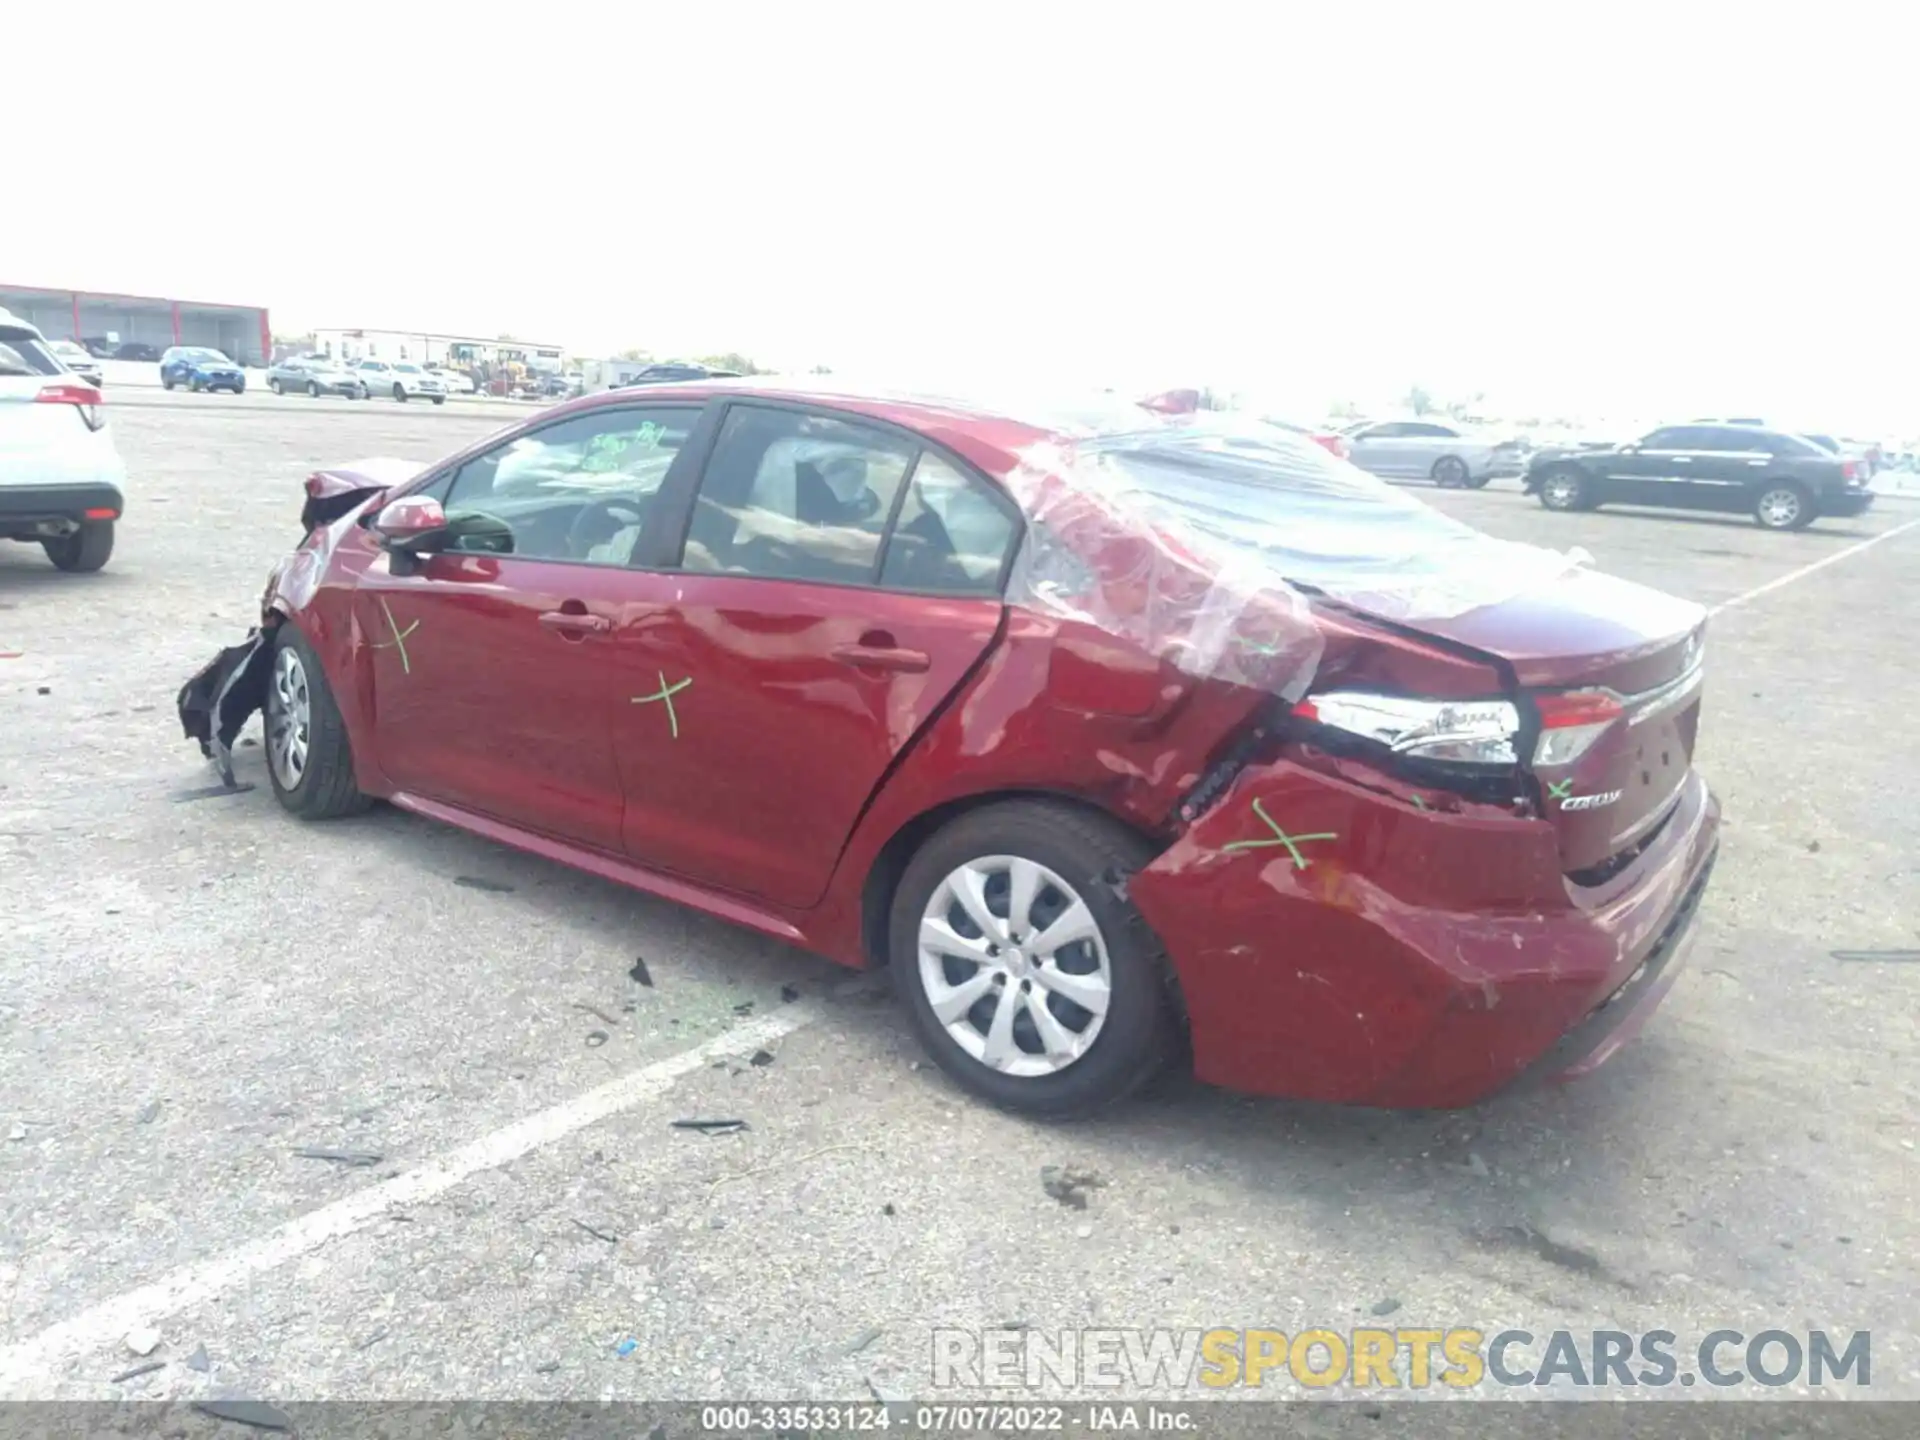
<point>1640,212</point>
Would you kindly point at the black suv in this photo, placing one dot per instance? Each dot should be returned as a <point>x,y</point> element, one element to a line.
<point>676,370</point>
<point>1785,482</point>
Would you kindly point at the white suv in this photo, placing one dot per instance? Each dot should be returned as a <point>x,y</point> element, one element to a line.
<point>61,479</point>
<point>399,378</point>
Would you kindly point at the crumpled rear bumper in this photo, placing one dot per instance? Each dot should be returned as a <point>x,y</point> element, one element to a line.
<point>1414,958</point>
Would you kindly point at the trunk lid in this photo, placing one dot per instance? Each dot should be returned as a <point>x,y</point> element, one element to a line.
<point>1610,676</point>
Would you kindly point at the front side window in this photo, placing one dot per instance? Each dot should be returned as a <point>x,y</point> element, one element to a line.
<point>792,496</point>
<point>580,490</point>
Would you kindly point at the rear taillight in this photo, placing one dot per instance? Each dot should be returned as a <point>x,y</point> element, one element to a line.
<point>1848,469</point>
<point>1461,732</point>
<point>84,398</point>
<point>1335,445</point>
<point>1571,722</point>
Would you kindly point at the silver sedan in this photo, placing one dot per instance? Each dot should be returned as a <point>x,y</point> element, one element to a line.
<point>1446,454</point>
<point>315,375</point>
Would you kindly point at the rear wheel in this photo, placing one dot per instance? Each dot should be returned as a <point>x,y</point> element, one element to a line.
<point>166,381</point>
<point>1783,507</point>
<point>313,388</point>
<point>274,385</point>
<point>439,399</point>
<point>88,548</point>
<point>308,759</point>
<point>1450,472</point>
<point>1564,490</point>
<point>1031,978</point>
<point>196,385</point>
<point>400,393</point>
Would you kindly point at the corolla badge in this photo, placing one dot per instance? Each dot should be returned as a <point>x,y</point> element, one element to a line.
<point>1591,802</point>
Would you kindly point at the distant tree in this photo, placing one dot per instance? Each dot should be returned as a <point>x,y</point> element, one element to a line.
<point>1346,410</point>
<point>644,356</point>
<point>1418,401</point>
<point>732,360</point>
<point>821,370</point>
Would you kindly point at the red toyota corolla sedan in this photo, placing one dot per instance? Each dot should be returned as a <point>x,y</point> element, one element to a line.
<point>1111,733</point>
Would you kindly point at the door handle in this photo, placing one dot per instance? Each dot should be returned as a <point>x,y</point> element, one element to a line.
<point>569,622</point>
<point>1683,459</point>
<point>883,657</point>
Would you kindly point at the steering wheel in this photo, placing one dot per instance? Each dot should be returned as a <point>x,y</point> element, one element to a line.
<point>579,534</point>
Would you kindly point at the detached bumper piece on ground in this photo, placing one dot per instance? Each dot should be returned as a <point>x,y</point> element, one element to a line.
<point>1108,731</point>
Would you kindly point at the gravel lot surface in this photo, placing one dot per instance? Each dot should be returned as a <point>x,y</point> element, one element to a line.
<point>192,989</point>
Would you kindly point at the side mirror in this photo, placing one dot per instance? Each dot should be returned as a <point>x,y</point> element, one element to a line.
<point>410,524</point>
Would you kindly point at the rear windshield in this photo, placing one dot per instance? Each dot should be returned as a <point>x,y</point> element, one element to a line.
<point>1263,502</point>
<point>23,353</point>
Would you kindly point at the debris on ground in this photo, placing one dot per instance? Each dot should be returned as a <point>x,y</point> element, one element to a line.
<point>888,1209</point>
<point>1890,957</point>
<point>546,1367</point>
<point>137,1372</point>
<point>611,1239</point>
<point>595,1011</point>
<point>626,1347</point>
<point>789,994</point>
<point>149,1113</point>
<point>210,792</point>
<point>143,1340</point>
<point>372,1340</point>
<point>1084,1232</point>
<point>16,1131</point>
<point>198,1360</point>
<point>760,1059</point>
<point>44,690</point>
<point>861,1341</point>
<point>639,974</point>
<point>251,1413</point>
<point>359,1159</point>
<point>1385,1307</point>
<point>474,882</point>
<point>596,1038</point>
<point>745,1007</point>
<point>711,1127</point>
<point>1069,1185</point>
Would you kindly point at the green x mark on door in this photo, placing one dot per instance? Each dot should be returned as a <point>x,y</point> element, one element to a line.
<point>1280,837</point>
<point>1559,789</point>
<point>399,637</point>
<point>666,693</point>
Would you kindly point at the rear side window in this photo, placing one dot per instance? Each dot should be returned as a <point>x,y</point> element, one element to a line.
<point>791,496</point>
<point>23,354</point>
<point>952,536</point>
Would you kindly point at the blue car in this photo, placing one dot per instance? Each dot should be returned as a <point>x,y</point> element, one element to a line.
<point>198,368</point>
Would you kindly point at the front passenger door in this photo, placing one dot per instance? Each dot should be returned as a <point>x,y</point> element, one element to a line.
<point>491,662</point>
<point>1380,449</point>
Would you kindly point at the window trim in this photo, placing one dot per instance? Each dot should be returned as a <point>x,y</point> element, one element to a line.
<point>724,406</point>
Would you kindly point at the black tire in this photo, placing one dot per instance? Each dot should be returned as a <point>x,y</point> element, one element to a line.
<point>166,381</point>
<point>241,388</point>
<point>439,399</point>
<point>313,389</point>
<point>1450,473</point>
<point>1092,854</point>
<point>400,393</point>
<point>274,385</point>
<point>196,385</point>
<point>1572,492</point>
<point>1479,482</point>
<point>1771,510</point>
<point>87,549</point>
<point>325,788</point>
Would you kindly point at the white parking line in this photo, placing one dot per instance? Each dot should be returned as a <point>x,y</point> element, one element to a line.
<point>35,1364</point>
<point>1806,570</point>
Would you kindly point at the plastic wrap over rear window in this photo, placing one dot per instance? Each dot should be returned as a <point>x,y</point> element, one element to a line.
<point>22,353</point>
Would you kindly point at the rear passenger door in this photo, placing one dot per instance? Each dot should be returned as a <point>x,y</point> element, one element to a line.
<point>1732,462</point>
<point>839,580</point>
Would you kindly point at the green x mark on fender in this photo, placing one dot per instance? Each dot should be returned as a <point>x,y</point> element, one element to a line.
<point>666,693</point>
<point>1559,789</point>
<point>399,637</point>
<point>1280,837</point>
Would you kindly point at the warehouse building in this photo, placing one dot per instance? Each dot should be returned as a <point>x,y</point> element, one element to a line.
<point>427,348</point>
<point>110,321</point>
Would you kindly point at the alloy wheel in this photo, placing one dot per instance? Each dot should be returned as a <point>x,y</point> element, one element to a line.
<point>289,719</point>
<point>1561,492</point>
<point>1014,966</point>
<point>1779,508</point>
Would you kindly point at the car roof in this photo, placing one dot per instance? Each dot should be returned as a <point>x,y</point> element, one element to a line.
<point>13,322</point>
<point>990,431</point>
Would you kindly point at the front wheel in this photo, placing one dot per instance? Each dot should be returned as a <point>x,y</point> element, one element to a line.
<point>439,399</point>
<point>87,548</point>
<point>1783,507</point>
<point>1450,472</point>
<point>274,385</point>
<point>313,389</point>
<point>400,393</point>
<point>308,759</point>
<point>196,385</point>
<point>1031,978</point>
<point>1564,490</point>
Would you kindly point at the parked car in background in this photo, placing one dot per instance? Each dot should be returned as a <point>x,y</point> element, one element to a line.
<point>200,368</point>
<point>62,484</point>
<point>454,382</point>
<point>136,350</point>
<point>315,375</point>
<point>1203,789</point>
<point>401,379</point>
<point>78,360</point>
<point>1447,454</point>
<point>675,370</point>
<point>1785,482</point>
